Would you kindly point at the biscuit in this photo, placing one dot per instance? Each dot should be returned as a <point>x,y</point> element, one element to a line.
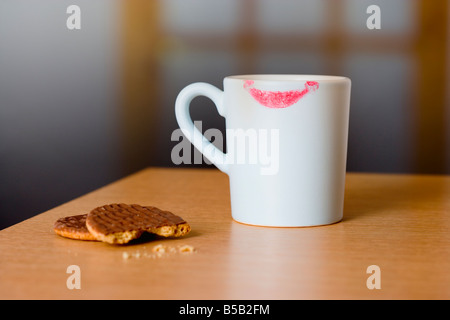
<point>73,227</point>
<point>121,223</point>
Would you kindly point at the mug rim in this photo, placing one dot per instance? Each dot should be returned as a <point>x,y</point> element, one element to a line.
<point>288,77</point>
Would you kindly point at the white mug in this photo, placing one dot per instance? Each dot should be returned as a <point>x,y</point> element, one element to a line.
<point>286,138</point>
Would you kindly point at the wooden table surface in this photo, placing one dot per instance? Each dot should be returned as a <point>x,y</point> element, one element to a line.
<point>399,223</point>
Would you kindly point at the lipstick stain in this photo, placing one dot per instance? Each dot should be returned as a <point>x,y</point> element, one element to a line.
<point>279,99</point>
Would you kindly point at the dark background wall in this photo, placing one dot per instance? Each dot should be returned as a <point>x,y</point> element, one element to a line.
<point>82,108</point>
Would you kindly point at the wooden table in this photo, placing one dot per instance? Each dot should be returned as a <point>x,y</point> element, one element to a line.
<point>399,223</point>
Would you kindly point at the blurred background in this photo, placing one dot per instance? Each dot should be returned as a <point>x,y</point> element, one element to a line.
<point>82,108</point>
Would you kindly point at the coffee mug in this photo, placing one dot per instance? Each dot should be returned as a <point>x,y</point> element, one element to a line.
<point>286,145</point>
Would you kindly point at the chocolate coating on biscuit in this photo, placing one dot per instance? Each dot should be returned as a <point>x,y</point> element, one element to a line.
<point>113,218</point>
<point>73,227</point>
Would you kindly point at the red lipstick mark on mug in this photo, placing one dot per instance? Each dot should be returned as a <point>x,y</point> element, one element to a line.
<point>279,99</point>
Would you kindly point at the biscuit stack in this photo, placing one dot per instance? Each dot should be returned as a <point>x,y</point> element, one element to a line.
<point>120,223</point>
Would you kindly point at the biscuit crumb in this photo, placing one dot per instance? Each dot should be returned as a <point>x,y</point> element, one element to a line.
<point>186,249</point>
<point>172,250</point>
<point>159,249</point>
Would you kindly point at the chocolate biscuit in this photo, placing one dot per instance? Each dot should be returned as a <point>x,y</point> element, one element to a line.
<point>73,227</point>
<point>121,223</point>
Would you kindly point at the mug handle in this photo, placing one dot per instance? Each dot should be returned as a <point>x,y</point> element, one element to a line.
<point>217,157</point>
